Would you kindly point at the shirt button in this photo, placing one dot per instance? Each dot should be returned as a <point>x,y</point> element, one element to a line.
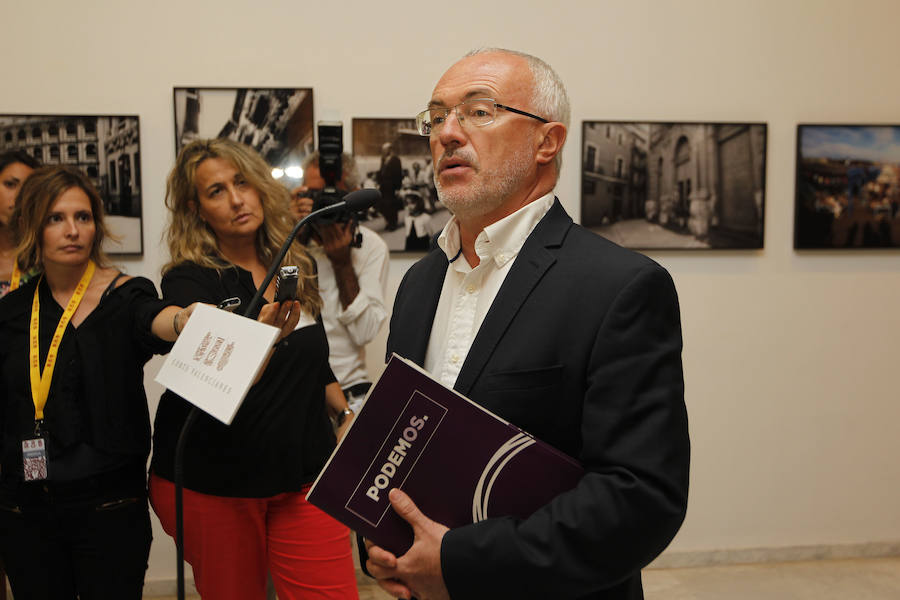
<point>471,289</point>
<point>454,359</point>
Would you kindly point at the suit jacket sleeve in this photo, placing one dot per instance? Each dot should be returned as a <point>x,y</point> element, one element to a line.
<point>635,450</point>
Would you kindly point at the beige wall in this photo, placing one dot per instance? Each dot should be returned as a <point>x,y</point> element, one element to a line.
<point>790,358</point>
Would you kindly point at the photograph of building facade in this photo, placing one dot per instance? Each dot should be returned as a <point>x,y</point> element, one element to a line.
<point>106,148</point>
<point>674,185</point>
<point>276,122</point>
<point>848,187</point>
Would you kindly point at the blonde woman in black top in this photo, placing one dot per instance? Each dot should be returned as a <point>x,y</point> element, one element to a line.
<point>245,512</point>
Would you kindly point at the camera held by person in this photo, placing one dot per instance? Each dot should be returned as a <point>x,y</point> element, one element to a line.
<point>326,182</point>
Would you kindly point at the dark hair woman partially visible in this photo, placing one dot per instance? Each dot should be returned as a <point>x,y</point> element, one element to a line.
<point>245,512</point>
<point>74,424</point>
<point>15,167</point>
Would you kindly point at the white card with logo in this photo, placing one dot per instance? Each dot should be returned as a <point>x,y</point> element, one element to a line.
<point>216,359</point>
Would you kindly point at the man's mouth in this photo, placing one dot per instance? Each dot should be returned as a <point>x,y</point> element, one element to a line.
<point>453,163</point>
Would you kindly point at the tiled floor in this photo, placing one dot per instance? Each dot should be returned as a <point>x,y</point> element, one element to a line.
<point>862,579</point>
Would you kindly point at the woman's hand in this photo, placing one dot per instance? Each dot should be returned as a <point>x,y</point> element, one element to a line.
<point>283,315</point>
<point>170,321</point>
<point>181,317</point>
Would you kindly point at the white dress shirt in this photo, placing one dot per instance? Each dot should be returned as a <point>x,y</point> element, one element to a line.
<point>350,329</point>
<point>468,293</point>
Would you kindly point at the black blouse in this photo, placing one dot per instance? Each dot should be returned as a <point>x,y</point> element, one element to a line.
<point>96,418</point>
<point>280,437</point>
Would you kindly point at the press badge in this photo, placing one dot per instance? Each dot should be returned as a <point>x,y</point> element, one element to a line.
<point>34,456</point>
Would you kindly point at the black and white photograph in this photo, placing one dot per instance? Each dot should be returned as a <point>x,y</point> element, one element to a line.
<point>107,148</point>
<point>276,122</point>
<point>672,185</point>
<point>848,186</point>
<point>392,157</point>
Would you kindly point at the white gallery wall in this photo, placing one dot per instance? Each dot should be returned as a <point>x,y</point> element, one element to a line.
<point>792,361</point>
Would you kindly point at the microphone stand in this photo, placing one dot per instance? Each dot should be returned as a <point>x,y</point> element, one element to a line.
<point>364,199</point>
<point>179,506</point>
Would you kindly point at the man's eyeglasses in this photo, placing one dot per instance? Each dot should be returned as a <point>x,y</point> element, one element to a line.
<point>477,111</point>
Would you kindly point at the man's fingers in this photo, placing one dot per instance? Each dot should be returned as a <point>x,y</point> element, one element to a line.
<point>382,565</point>
<point>301,203</point>
<point>395,588</point>
<point>405,507</point>
<point>380,557</point>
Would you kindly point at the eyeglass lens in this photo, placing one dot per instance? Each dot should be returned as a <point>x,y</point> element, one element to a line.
<point>478,112</point>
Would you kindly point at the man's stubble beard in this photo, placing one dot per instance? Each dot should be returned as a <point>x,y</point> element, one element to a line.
<point>491,189</point>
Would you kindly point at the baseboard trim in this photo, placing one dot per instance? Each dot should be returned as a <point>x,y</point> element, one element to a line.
<point>707,558</point>
<point>676,559</point>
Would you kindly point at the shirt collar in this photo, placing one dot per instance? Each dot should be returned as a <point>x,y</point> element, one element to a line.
<point>500,241</point>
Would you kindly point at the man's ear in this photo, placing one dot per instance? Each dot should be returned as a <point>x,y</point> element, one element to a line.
<point>551,143</point>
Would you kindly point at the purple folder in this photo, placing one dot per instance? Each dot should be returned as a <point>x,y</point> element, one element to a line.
<point>458,462</point>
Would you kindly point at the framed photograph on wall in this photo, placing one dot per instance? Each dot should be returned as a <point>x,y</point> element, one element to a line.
<point>276,122</point>
<point>847,192</point>
<point>106,147</point>
<point>392,157</point>
<point>674,185</point>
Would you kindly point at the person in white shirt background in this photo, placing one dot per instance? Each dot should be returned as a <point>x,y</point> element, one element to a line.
<point>353,270</point>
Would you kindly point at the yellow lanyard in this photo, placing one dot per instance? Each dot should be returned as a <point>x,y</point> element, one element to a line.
<point>16,277</point>
<point>40,382</point>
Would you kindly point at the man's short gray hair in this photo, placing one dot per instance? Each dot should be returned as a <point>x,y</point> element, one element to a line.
<point>550,98</point>
<point>349,174</point>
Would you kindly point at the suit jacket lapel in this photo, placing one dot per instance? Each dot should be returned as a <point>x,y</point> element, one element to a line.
<point>533,260</point>
<point>411,340</point>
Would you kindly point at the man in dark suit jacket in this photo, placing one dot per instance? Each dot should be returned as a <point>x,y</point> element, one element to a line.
<point>390,179</point>
<point>564,334</point>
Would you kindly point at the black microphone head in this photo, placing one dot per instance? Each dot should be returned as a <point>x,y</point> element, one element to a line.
<point>361,200</point>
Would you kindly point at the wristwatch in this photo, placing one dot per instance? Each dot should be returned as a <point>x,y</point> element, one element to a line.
<point>342,416</point>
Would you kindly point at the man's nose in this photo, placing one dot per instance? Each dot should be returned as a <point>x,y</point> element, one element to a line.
<point>451,131</point>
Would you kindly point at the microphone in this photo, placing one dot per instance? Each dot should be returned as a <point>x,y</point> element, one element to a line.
<point>359,200</point>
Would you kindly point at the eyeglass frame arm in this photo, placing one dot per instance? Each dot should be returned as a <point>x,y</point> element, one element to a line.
<point>520,112</point>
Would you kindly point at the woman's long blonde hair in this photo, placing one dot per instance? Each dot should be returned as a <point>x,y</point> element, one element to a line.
<point>191,240</point>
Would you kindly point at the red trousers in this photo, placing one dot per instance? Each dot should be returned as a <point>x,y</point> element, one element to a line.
<point>231,543</point>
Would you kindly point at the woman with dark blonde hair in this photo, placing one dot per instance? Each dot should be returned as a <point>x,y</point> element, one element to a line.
<point>245,512</point>
<point>74,423</point>
<point>15,167</point>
